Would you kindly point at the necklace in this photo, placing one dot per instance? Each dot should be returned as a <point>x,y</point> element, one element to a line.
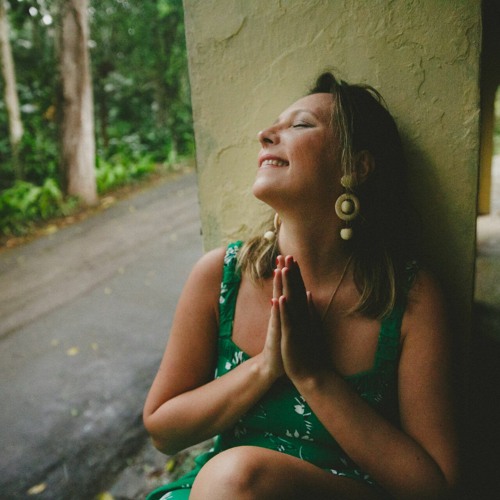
<point>336,289</point>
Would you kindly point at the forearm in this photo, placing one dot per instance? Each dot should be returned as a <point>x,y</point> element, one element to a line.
<point>201,413</point>
<point>396,461</point>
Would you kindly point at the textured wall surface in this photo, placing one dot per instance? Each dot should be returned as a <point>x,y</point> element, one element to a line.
<point>251,59</point>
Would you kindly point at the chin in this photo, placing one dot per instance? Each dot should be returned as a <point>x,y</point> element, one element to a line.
<point>262,190</point>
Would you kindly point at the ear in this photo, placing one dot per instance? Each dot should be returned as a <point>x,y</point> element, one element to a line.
<point>364,165</point>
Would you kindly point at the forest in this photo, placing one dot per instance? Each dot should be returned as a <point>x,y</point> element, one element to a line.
<point>95,95</point>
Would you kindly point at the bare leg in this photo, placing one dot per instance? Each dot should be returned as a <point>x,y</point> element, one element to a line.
<point>250,473</point>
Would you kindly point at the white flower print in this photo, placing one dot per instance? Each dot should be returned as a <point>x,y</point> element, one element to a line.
<point>296,434</point>
<point>239,431</point>
<point>223,292</point>
<point>300,407</point>
<point>237,358</point>
<point>230,254</point>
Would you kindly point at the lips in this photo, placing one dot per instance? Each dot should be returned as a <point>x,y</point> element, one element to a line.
<point>272,161</point>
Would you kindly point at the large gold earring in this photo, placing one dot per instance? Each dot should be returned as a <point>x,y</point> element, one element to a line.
<point>347,206</point>
<point>271,235</point>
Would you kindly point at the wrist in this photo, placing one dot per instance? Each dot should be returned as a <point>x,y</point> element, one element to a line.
<point>261,370</point>
<point>311,381</point>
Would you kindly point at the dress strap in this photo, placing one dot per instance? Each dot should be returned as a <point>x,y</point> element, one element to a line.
<point>231,279</point>
<point>390,331</point>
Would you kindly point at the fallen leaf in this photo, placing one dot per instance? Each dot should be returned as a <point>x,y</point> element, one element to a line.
<point>39,488</point>
<point>107,201</point>
<point>170,465</point>
<point>104,496</point>
<point>72,351</point>
<point>51,229</point>
<point>95,346</point>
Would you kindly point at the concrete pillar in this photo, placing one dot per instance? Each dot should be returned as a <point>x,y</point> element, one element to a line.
<point>249,60</point>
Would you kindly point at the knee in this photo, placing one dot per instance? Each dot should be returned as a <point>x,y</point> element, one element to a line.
<point>234,473</point>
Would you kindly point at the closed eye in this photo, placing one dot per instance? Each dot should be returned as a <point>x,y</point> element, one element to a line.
<point>301,125</point>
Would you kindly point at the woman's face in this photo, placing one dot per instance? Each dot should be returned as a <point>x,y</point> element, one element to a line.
<point>298,160</point>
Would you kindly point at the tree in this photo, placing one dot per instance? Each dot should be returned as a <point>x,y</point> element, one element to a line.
<point>142,95</point>
<point>11,99</point>
<point>77,134</point>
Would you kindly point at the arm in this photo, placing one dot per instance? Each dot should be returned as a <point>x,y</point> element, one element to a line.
<point>185,405</point>
<point>418,461</point>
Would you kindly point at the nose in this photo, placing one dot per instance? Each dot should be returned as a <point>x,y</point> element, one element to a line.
<point>268,136</point>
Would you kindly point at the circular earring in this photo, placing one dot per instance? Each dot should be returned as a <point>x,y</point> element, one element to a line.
<point>347,206</point>
<point>271,235</point>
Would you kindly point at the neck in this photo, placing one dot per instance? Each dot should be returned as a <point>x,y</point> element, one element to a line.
<point>317,247</point>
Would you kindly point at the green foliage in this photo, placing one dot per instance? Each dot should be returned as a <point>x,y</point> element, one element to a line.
<point>120,170</point>
<point>141,85</point>
<point>24,203</point>
<point>141,100</point>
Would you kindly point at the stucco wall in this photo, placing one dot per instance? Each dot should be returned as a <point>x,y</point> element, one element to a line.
<point>250,59</point>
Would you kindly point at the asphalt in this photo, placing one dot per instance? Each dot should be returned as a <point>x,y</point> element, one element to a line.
<point>84,318</point>
<point>85,314</point>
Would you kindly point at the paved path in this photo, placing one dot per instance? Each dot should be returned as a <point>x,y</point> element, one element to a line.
<point>84,316</point>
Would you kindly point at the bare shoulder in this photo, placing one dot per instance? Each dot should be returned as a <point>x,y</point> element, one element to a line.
<point>209,266</point>
<point>425,305</point>
<point>205,277</point>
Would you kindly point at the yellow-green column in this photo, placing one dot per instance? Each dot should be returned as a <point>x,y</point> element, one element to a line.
<point>250,59</point>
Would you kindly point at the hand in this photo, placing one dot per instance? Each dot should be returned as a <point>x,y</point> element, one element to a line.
<point>271,353</point>
<point>302,347</point>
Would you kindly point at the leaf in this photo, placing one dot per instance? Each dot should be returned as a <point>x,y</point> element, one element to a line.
<point>37,489</point>
<point>170,465</point>
<point>104,496</point>
<point>72,351</point>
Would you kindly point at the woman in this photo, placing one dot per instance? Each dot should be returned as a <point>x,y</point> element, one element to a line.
<point>329,344</point>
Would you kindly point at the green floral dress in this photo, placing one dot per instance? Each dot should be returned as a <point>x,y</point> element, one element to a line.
<point>282,420</point>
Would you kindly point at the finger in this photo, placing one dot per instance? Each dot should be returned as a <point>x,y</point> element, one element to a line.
<point>280,262</point>
<point>277,284</point>
<point>313,313</point>
<point>310,303</point>
<point>274,331</point>
<point>275,314</point>
<point>284,316</point>
<point>293,285</point>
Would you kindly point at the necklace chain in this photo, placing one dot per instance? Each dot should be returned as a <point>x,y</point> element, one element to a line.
<point>336,289</point>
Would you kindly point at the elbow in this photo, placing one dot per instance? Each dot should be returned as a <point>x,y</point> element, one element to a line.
<point>163,440</point>
<point>448,488</point>
<point>164,446</point>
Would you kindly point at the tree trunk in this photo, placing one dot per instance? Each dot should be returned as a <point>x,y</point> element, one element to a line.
<point>11,100</point>
<point>78,141</point>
